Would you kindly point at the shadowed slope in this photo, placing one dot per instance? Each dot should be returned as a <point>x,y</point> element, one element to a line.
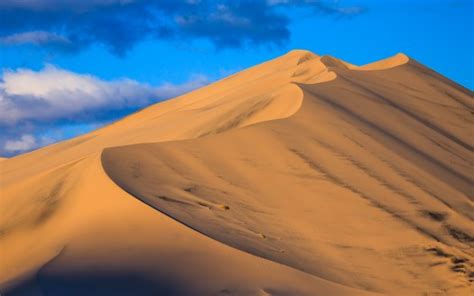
<point>367,171</point>
<point>101,241</point>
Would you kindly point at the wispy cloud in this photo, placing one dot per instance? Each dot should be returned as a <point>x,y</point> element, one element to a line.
<point>119,24</point>
<point>34,37</point>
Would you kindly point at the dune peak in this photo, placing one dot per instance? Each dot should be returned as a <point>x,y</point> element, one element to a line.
<point>332,62</point>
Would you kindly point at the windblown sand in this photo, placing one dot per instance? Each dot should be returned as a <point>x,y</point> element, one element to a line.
<point>304,175</point>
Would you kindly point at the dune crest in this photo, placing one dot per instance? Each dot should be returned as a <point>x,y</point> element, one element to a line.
<point>391,62</point>
<point>305,174</point>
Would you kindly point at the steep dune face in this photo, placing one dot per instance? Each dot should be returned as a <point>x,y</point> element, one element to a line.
<point>319,177</point>
<point>368,182</point>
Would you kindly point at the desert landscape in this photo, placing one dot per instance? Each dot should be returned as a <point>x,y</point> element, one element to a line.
<point>304,175</point>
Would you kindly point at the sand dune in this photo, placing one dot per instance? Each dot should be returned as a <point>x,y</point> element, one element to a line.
<point>305,175</point>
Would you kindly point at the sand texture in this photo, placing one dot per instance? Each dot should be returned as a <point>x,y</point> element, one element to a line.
<point>304,175</point>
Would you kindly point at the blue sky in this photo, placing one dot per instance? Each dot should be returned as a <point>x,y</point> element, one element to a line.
<point>70,66</point>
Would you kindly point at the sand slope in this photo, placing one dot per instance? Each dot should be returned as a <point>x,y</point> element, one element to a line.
<point>301,176</point>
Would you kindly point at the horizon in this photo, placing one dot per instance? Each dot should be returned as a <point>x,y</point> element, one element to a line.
<point>202,47</point>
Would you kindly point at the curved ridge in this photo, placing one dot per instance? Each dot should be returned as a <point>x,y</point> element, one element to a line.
<point>394,61</point>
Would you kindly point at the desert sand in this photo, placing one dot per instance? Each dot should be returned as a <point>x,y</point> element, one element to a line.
<point>305,175</point>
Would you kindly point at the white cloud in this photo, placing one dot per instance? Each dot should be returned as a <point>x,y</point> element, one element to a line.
<point>26,142</point>
<point>41,107</point>
<point>53,93</point>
